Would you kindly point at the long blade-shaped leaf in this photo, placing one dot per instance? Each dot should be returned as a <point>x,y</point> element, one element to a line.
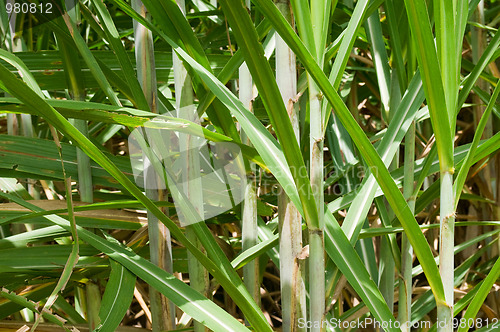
<point>268,90</point>
<point>190,301</point>
<point>117,297</point>
<point>14,86</point>
<point>366,149</point>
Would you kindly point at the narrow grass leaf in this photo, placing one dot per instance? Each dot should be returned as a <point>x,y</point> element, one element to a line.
<point>190,301</point>
<point>10,83</point>
<point>366,149</point>
<point>483,291</point>
<point>117,297</point>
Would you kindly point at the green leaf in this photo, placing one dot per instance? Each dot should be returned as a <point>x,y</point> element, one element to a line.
<point>466,165</point>
<point>187,299</point>
<point>482,293</point>
<point>17,88</point>
<point>432,79</point>
<point>265,81</point>
<point>394,196</point>
<point>117,297</point>
<point>24,71</point>
<point>117,46</point>
<point>346,259</point>
<point>26,303</point>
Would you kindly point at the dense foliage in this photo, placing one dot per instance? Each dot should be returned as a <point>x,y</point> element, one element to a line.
<point>353,147</point>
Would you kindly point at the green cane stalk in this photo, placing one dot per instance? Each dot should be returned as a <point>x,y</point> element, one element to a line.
<point>77,92</point>
<point>450,24</point>
<point>405,284</point>
<point>390,102</point>
<point>440,72</point>
<point>198,276</point>
<point>16,43</point>
<point>160,247</point>
<point>249,230</point>
<point>293,300</point>
<point>366,149</point>
<point>314,36</point>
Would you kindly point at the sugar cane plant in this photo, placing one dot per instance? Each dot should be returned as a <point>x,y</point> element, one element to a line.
<point>294,165</point>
